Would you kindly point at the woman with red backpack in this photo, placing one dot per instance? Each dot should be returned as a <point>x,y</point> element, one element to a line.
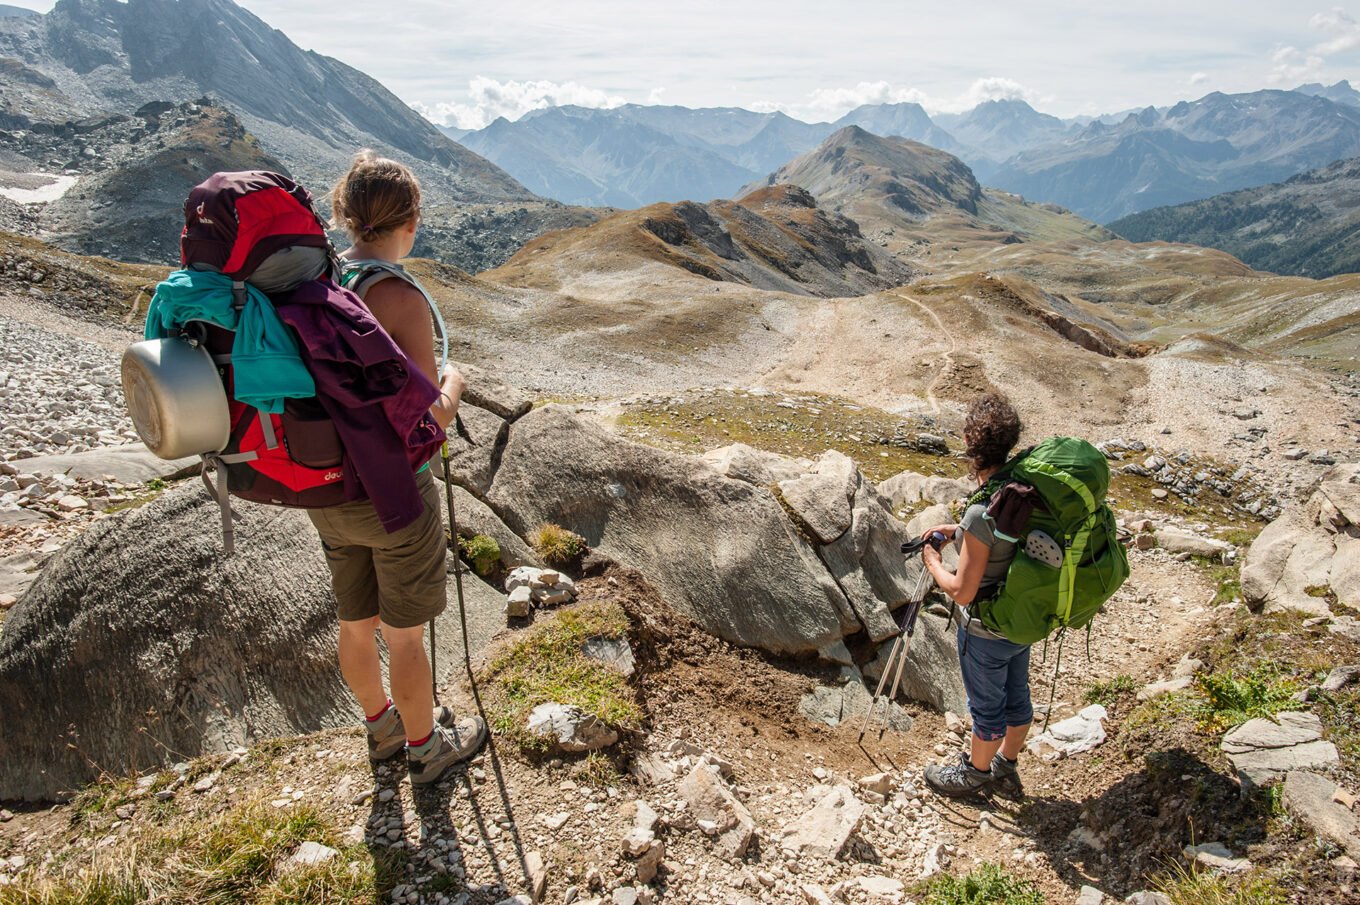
<point>394,582</point>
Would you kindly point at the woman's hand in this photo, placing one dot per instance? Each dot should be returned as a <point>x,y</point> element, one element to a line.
<point>947,530</point>
<point>451,387</point>
<point>931,554</point>
<point>453,383</point>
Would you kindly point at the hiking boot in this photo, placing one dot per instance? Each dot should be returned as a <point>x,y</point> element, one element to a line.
<point>387,735</point>
<point>448,745</point>
<point>959,779</point>
<point>1007,778</point>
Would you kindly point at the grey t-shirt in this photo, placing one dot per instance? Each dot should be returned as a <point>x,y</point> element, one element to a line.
<point>1000,552</point>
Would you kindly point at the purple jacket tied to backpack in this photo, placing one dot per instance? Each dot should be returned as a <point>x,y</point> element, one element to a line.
<point>379,400</point>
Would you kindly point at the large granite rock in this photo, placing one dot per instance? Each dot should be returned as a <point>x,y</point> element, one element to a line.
<point>868,564</point>
<point>1311,552</point>
<point>820,503</point>
<point>475,517</point>
<point>755,466</point>
<point>931,674</point>
<point>474,464</point>
<point>722,551</point>
<point>140,638</point>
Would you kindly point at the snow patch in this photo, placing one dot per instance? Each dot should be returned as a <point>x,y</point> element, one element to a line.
<point>59,186</point>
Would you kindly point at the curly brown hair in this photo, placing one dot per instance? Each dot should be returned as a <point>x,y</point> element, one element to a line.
<point>991,429</point>
<point>375,196</point>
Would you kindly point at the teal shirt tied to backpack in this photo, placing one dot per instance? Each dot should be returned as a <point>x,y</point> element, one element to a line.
<point>267,363</point>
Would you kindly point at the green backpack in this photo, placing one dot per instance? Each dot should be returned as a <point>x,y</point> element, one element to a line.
<point>1071,478</point>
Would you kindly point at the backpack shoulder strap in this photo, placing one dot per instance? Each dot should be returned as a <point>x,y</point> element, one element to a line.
<point>361,275</point>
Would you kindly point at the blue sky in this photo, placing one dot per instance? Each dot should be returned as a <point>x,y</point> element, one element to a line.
<point>465,63</point>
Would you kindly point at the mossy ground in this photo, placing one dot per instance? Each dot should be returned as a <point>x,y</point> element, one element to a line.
<point>803,425</point>
<point>545,663</point>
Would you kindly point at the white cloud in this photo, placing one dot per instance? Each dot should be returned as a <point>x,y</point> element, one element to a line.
<point>1344,29</point>
<point>654,96</point>
<point>832,103</point>
<point>994,88</point>
<point>1198,78</point>
<point>1290,65</point>
<point>489,99</point>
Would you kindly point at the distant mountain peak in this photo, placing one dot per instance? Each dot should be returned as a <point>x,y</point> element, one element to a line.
<point>311,110</point>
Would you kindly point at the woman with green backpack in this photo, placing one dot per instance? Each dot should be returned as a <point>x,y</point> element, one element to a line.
<point>995,670</point>
<point>1038,553</point>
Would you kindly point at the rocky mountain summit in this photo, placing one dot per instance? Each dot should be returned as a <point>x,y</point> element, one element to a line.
<point>778,239</point>
<point>910,197</point>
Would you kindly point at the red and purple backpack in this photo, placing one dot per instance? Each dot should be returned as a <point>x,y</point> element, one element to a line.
<point>260,228</point>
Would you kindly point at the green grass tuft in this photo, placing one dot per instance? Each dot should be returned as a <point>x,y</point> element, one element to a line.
<point>557,546</point>
<point>1187,886</point>
<point>482,551</point>
<point>988,885</point>
<point>1107,692</point>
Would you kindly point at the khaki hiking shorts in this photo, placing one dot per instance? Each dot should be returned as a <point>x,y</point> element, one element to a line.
<point>398,577</point>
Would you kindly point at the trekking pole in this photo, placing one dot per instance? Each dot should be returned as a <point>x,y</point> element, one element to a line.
<point>897,657</point>
<point>445,459</point>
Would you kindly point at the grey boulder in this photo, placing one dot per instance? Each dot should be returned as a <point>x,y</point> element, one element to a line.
<point>1312,798</point>
<point>132,463</point>
<point>144,638</point>
<point>1264,750</point>
<point>473,464</point>
<point>754,466</point>
<point>722,552</point>
<point>717,812</point>
<point>569,730</point>
<point>1176,540</point>
<point>908,489</point>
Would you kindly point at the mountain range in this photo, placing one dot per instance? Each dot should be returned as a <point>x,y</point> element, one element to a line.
<point>100,56</point>
<point>1102,168</point>
<point>635,155</point>
<point>1308,225</point>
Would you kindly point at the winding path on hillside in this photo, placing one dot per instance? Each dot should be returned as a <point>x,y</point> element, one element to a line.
<point>948,356</point>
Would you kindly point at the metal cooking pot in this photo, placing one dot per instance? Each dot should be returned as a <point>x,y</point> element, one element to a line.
<point>176,398</point>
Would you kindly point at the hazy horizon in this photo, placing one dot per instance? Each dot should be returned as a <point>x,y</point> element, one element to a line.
<point>815,63</point>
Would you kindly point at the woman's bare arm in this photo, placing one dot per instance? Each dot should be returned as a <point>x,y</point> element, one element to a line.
<point>961,585</point>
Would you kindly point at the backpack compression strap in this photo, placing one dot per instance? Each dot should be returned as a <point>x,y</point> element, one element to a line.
<point>1074,544</point>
